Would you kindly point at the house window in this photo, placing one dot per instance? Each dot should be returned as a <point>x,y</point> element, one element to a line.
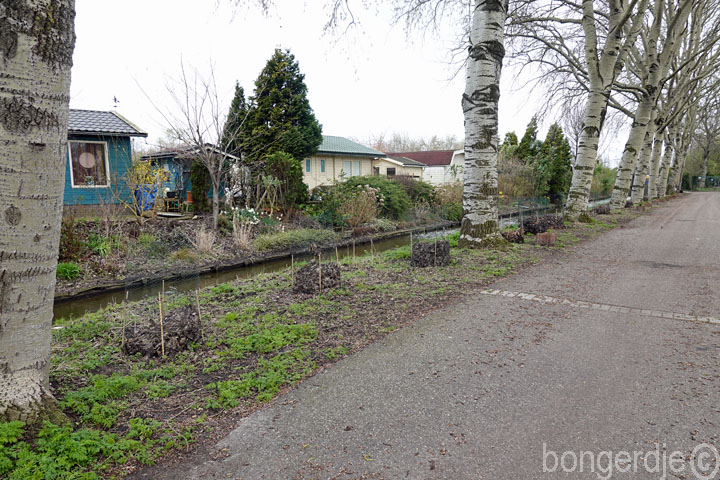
<point>351,168</point>
<point>391,172</point>
<point>88,164</point>
<point>322,165</point>
<point>307,165</point>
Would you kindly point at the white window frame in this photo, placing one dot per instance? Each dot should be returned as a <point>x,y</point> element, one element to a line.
<point>107,164</point>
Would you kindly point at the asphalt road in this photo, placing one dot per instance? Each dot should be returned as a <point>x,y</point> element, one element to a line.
<point>609,351</point>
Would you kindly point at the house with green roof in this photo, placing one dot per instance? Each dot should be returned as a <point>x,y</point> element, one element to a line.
<point>338,158</point>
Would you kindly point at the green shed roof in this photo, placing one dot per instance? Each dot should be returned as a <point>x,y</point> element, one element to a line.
<point>342,146</point>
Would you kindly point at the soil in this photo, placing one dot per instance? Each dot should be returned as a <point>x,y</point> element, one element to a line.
<point>310,279</point>
<point>180,329</point>
<point>430,254</point>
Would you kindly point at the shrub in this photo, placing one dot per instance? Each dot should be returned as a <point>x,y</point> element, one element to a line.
<point>68,270</point>
<point>70,244</point>
<point>145,239</point>
<point>396,202</point>
<point>450,193</point>
<point>293,239</point>
<point>418,190</point>
<point>185,255</point>
<point>204,240</point>
<point>360,205</point>
<point>452,212</point>
<point>383,225</point>
<point>98,244</point>
<point>293,190</point>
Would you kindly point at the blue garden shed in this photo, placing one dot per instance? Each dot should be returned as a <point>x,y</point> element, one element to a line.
<point>99,154</point>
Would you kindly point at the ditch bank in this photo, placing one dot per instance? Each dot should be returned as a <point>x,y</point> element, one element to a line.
<point>84,300</point>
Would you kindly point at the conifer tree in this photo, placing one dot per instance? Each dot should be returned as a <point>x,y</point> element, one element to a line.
<point>280,118</point>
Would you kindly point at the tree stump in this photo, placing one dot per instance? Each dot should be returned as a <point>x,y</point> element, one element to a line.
<point>181,327</point>
<point>429,254</point>
<point>547,239</point>
<point>308,278</point>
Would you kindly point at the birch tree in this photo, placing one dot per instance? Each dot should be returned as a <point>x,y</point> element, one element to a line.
<point>480,225</point>
<point>584,44</point>
<point>651,63</point>
<point>707,134</point>
<point>37,42</point>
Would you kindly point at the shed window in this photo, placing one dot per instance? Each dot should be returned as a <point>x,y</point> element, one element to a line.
<point>322,165</point>
<point>88,164</point>
<point>307,165</point>
<point>390,172</point>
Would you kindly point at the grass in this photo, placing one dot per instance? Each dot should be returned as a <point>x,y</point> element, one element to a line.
<point>68,270</point>
<point>259,339</point>
<point>293,239</point>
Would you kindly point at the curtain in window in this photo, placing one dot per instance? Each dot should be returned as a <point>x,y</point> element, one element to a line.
<point>88,164</point>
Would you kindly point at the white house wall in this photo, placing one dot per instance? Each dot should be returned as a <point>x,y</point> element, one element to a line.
<point>333,166</point>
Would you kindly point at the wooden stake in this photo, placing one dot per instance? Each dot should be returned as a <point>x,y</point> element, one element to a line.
<point>372,250</point>
<point>292,270</point>
<point>353,250</point>
<point>162,332</point>
<point>337,255</point>
<point>320,272</point>
<point>435,257</point>
<point>197,301</point>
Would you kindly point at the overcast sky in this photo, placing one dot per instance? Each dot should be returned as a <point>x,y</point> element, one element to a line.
<point>374,80</point>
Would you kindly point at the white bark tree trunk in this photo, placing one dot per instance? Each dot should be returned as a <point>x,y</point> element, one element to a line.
<point>637,193</point>
<point>36,44</point>
<point>602,70</point>
<point>633,146</point>
<point>665,167</point>
<point>655,165</point>
<point>480,225</point>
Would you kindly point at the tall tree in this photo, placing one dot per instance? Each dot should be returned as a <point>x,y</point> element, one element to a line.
<point>480,223</point>
<point>36,46</point>
<point>553,165</point>
<point>280,118</point>
<point>528,147</point>
<point>232,132</point>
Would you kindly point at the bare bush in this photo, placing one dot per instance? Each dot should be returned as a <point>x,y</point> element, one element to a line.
<point>204,240</point>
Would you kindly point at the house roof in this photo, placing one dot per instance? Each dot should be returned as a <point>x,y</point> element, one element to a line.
<point>332,145</point>
<point>431,158</point>
<point>405,161</point>
<point>186,153</point>
<point>83,122</point>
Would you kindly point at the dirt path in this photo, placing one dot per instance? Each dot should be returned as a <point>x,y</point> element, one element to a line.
<point>614,348</point>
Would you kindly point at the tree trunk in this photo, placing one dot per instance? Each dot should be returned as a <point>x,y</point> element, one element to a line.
<point>637,194</point>
<point>703,172</point>
<point>37,40</point>
<point>665,167</point>
<point>480,224</point>
<point>602,68</point>
<point>655,165</point>
<point>215,203</point>
<point>629,159</point>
